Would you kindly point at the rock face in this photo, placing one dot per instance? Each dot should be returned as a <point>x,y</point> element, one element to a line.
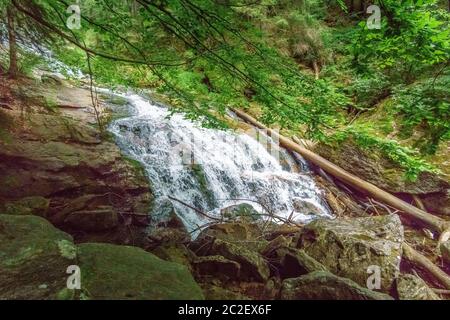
<point>321,285</point>
<point>121,272</point>
<point>348,247</point>
<point>410,287</point>
<point>34,257</point>
<point>85,184</point>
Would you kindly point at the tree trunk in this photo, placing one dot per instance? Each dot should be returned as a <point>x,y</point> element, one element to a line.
<point>13,69</point>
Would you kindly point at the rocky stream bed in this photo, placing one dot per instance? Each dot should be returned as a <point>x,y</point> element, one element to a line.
<point>69,196</point>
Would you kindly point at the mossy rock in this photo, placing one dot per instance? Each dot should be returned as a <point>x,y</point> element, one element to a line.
<point>37,206</point>
<point>348,247</point>
<point>175,252</point>
<point>243,211</point>
<point>322,285</point>
<point>121,272</point>
<point>34,257</point>
<point>411,287</point>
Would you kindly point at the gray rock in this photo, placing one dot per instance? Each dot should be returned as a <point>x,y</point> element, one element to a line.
<point>348,247</point>
<point>321,285</point>
<point>410,287</point>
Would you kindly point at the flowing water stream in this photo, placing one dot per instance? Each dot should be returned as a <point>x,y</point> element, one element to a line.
<point>212,169</point>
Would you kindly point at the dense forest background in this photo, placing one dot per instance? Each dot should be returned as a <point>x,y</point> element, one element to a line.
<point>313,68</point>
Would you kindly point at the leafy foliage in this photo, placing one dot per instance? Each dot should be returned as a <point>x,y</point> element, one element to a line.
<point>207,56</point>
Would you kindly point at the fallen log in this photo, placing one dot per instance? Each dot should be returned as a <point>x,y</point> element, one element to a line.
<point>439,225</point>
<point>418,259</point>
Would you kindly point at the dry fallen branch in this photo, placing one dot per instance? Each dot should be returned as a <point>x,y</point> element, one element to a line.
<point>417,258</point>
<point>404,208</point>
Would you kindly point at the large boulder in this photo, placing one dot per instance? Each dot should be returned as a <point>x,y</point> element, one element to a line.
<point>288,262</point>
<point>354,247</point>
<point>120,272</point>
<point>253,266</point>
<point>34,257</point>
<point>217,266</point>
<point>322,285</point>
<point>411,287</point>
<point>240,233</point>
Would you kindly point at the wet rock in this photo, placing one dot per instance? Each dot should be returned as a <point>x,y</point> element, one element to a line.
<point>121,272</point>
<point>37,206</point>
<point>104,218</point>
<point>306,207</point>
<point>169,216</point>
<point>50,78</point>
<point>34,257</point>
<point>410,287</point>
<point>445,251</point>
<point>321,285</point>
<point>240,211</point>
<point>217,266</point>
<point>348,247</point>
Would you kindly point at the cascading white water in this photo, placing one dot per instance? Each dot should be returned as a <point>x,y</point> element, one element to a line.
<point>212,169</point>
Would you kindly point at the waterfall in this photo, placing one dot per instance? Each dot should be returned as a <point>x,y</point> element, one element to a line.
<point>213,169</point>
